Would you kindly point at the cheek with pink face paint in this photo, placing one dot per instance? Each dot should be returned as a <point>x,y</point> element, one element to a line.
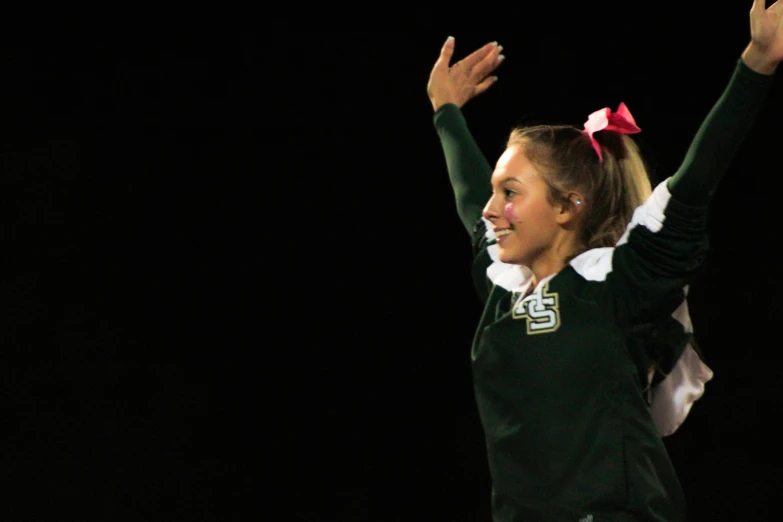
<point>508,211</point>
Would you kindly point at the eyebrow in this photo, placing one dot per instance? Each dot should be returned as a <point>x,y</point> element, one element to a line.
<point>508,180</point>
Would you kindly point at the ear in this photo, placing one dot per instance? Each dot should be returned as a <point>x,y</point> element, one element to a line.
<point>570,208</point>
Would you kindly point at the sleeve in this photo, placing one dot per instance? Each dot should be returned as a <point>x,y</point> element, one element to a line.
<point>470,173</point>
<point>719,137</point>
<point>666,241</point>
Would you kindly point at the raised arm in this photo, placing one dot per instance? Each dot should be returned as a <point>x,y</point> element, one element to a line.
<point>666,241</point>
<point>449,88</point>
<point>732,116</point>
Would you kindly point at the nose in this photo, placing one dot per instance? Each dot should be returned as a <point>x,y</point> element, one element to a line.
<point>490,212</point>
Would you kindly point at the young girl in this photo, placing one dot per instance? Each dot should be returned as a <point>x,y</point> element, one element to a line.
<point>581,359</point>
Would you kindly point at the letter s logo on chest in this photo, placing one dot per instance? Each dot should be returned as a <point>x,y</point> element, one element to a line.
<point>540,310</point>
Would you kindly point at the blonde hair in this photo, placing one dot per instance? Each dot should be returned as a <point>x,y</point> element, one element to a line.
<point>611,189</point>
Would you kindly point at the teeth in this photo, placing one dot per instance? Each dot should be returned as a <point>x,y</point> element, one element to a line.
<point>505,232</point>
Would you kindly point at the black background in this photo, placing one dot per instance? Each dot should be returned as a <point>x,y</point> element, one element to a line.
<point>234,280</point>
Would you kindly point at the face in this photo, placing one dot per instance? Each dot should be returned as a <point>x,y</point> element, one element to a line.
<point>524,221</point>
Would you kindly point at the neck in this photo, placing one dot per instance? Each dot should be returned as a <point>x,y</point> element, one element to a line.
<point>555,258</point>
<point>543,268</point>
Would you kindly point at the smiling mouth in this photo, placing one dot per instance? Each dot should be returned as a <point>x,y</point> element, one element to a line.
<point>503,232</point>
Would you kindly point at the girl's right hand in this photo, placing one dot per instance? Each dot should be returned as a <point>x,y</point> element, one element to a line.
<point>765,50</point>
<point>465,79</point>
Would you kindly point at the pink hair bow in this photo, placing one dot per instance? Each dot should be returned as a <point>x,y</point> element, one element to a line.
<point>604,119</point>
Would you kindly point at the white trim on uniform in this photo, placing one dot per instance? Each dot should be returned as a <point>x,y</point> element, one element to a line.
<point>504,275</point>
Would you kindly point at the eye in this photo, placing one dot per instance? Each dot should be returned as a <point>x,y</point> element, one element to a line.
<point>508,193</point>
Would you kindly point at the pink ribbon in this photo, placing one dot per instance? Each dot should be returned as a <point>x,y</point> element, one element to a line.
<point>604,119</point>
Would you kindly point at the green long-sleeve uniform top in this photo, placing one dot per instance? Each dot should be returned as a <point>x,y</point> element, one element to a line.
<point>559,372</point>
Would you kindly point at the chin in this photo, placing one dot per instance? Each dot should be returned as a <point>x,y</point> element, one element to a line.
<point>511,256</point>
<point>508,257</point>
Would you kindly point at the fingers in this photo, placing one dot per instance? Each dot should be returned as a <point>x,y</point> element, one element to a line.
<point>488,64</point>
<point>446,53</point>
<point>759,6</point>
<point>486,84</point>
<point>476,56</point>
